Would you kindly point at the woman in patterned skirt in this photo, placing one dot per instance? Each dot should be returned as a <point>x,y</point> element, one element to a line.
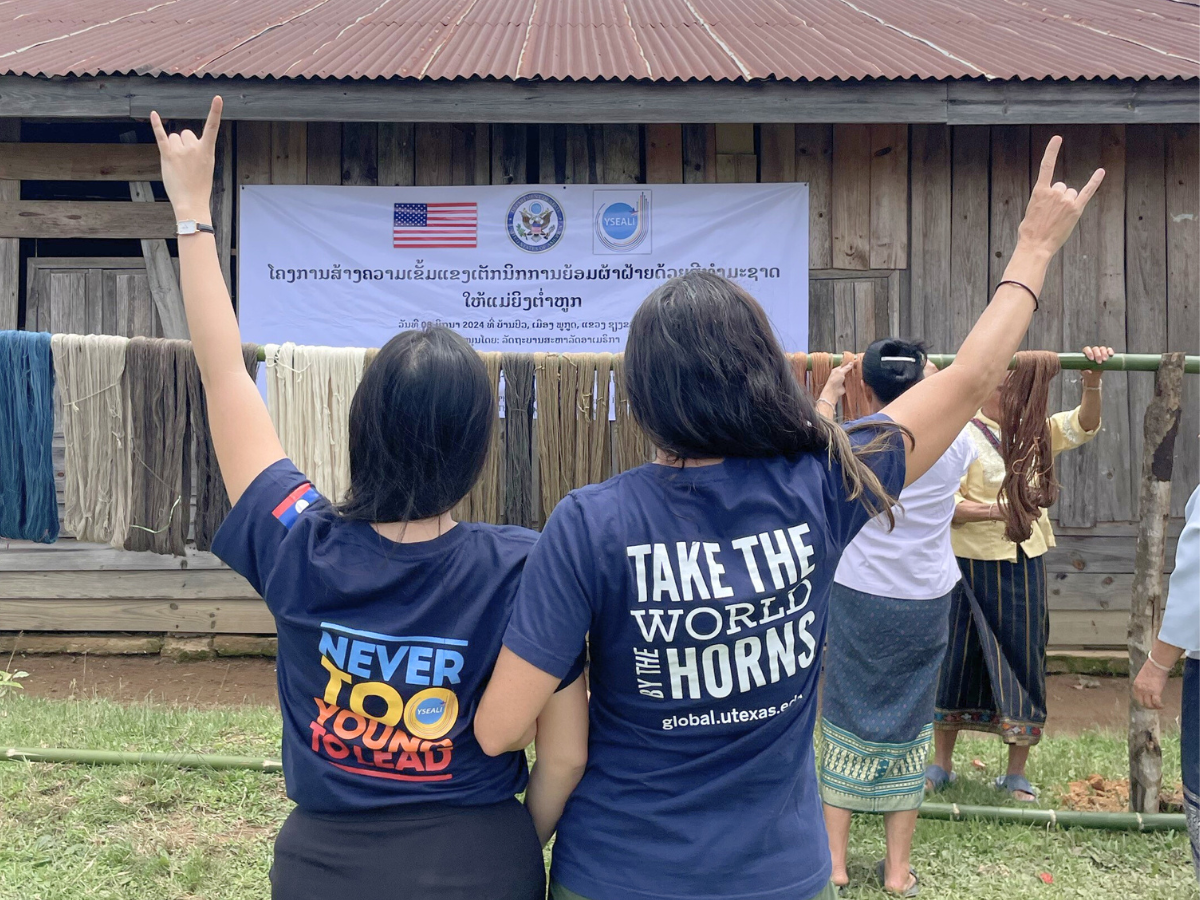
<point>994,674</point>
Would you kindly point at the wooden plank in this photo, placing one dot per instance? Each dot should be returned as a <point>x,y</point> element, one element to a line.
<point>253,152</point>
<point>1099,554</point>
<point>289,153</point>
<point>396,153</point>
<point>699,154</point>
<point>510,149</point>
<point>1010,194</point>
<point>1183,293</point>
<point>968,230</point>
<point>10,248</point>
<point>1046,329</point>
<point>889,197</point>
<point>569,154</point>
<point>470,151</point>
<point>69,555</point>
<point>843,315</point>
<point>929,303</point>
<point>68,298</point>
<point>884,294</point>
<point>1145,269</point>
<point>814,164</point>
<point>183,584</point>
<point>324,144</point>
<point>737,168</point>
<point>433,153</point>
<point>664,154</point>
<point>821,331</point>
<point>1055,102</point>
<point>85,219</point>
<point>78,162</point>
<point>1088,628</point>
<point>222,202</point>
<point>158,616</point>
<point>777,149</point>
<point>735,138</point>
<point>360,153</point>
<point>851,191</point>
<point>95,301</point>
<point>622,154</point>
<point>864,314</point>
<point>1088,591</point>
<point>1078,470</point>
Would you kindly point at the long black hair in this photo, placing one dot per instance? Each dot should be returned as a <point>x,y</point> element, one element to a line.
<point>706,377</point>
<point>420,424</point>
<point>891,366</point>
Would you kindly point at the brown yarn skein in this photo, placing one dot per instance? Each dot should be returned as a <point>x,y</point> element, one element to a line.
<point>1030,484</point>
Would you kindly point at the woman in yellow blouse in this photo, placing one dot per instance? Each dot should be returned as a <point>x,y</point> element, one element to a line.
<point>994,675</point>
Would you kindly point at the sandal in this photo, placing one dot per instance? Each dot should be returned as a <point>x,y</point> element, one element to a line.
<point>938,777</point>
<point>1014,783</point>
<point>913,890</point>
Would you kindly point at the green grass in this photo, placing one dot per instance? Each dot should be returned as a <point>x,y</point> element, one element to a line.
<point>157,833</point>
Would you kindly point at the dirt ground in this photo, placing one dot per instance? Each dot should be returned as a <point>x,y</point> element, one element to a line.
<point>1076,702</point>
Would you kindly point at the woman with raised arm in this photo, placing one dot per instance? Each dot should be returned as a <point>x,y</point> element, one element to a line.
<point>702,581</point>
<point>993,678</point>
<point>389,613</point>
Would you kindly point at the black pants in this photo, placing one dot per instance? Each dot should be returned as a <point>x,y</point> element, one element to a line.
<point>431,850</point>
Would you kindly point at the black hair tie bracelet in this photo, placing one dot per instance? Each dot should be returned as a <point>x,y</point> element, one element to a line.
<point>1023,287</point>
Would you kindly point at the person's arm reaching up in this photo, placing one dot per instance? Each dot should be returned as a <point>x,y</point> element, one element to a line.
<point>243,435</point>
<point>562,730</point>
<point>936,409</point>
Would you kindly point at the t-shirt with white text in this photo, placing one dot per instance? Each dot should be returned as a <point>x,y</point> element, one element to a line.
<point>705,593</point>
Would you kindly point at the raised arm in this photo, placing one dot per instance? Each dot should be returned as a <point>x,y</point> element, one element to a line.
<point>242,433</point>
<point>937,409</point>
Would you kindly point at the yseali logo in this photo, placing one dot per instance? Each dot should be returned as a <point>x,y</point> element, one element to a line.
<point>621,222</point>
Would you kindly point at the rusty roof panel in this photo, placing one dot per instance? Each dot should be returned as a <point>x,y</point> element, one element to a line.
<point>604,39</point>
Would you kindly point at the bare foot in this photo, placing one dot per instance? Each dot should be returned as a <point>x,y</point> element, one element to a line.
<point>902,887</point>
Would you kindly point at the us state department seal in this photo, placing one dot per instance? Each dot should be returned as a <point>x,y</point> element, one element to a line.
<point>535,222</point>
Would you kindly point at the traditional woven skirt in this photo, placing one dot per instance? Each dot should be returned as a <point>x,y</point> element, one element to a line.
<point>881,666</point>
<point>994,675</point>
<point>1189,739</point>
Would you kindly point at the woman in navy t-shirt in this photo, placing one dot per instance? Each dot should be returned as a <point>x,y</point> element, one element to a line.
<point>389,614</point>
<point>701,582</point>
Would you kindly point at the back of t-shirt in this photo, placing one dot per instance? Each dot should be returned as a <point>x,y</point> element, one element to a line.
<point>384,648</point>
<point>914,560</point>
<point>705,592</point>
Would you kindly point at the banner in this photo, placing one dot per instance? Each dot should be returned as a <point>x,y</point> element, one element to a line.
<point>519,268</point>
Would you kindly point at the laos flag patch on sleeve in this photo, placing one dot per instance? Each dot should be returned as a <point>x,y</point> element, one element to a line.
<point>295,503</point>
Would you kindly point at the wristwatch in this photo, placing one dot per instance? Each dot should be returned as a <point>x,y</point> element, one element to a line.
<point>191,226</point>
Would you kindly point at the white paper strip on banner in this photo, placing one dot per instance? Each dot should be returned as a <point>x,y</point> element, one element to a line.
<point>518,268</point>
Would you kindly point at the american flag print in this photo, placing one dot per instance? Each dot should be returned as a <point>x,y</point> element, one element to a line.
<point>428,226</point>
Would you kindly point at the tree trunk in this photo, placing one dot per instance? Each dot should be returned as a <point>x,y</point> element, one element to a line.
<point>1145,611</point>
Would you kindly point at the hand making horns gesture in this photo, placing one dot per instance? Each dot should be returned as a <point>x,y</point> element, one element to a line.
<point>187,164</point>
<point>1054,208</point>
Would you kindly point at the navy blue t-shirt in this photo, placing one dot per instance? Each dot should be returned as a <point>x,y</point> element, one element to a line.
<point>384,648</point>
<point>705,593</point>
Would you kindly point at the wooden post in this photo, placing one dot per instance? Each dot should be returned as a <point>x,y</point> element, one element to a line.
<point>10,248</point>
<point>1145,609</point>
<point>160,271</point>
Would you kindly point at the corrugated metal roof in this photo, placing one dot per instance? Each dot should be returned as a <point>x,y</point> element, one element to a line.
<point>604,39</point>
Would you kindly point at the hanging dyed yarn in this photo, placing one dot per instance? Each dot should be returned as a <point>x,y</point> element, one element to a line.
<point>309,390</point>
<point>159,377</point>
<point>89,369</point>
<point>594,394</point>
<point>212,500</point>
<point>28,501</point>
<point>483,503</point>
<point>632,447</point>
<point>822,365</point>
<point>1030,484</point>
<point>547,383</point>
<point>800,368</point>
<point>855,402</point>
<point>518,426</point>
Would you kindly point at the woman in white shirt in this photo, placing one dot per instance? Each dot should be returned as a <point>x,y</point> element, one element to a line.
<point>888,628</point>
<point>1180,634</point>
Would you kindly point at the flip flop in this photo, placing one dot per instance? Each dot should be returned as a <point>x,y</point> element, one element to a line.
<point>1014,783</point>
<point>881,872</point>
<point>939,777</point>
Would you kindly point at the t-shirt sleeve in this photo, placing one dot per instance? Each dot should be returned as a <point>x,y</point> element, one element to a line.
<point>1067,432</point>
<point>553,609</point>
<point>249,539</point>
<point>888,463</point>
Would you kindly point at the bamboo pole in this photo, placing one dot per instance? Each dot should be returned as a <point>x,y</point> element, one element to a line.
<point>1160,427</point>
<point>116,757</point>
<point>1118,362</point>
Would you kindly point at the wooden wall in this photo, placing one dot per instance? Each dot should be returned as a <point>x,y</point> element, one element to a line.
<point>910,228</point>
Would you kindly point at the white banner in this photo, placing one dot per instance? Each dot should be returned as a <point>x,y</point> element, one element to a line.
<point>514,268</point>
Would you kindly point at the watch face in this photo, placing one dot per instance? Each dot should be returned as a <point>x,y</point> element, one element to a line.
<point>188,227</point>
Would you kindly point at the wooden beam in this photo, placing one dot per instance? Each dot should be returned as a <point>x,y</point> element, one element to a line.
<point>79,162</point>
<point>814,164</point>
<point>10,248</point>
<point>664,154</point>
<point>160,271</point>
<point>1183,288</point>
<point>202,584</point>
<point>409,100</point>
<point>889,197</point>
<point>160,616</point>
<point>852,197</point>
<point>222,202</point>
<point>85,219</point>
